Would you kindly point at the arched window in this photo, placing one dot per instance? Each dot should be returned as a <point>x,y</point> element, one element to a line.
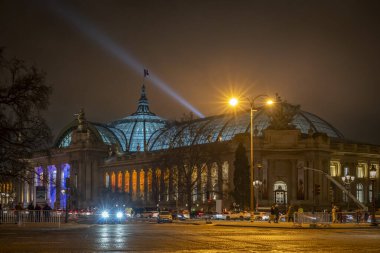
<point>120,181</point>
<point>204,183</point>
<point>166,181</point>
<point>142,183</point>
<point>107,180</point>
<point>149,184</point>
<point>214,180</point>
<point>113,181</point>
<point>280,193</point>
<point>134,184</point>
<point>127,182</point>
<point>359,192</point>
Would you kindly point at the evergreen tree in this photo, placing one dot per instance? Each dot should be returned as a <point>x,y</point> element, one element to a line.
<point>241,177</point>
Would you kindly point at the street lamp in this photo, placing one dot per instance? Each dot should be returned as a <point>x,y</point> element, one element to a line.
<point>234,102</point>
<point>372,177</point>
<point>257,184</point>
<point>64,193</point>
<point>347,180</point>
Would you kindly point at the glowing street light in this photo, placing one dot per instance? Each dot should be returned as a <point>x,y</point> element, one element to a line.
<point>234,102</point>
<point>372,177</point>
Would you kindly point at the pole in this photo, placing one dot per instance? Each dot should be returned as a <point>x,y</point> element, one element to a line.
<point>67,212</point>
<point>373,220</point>
<point>251,165</point>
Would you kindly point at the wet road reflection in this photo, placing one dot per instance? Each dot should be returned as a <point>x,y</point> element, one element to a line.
<point>186,238</point>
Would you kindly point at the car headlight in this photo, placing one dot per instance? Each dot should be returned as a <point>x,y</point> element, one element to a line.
<point>105,214</point>
<point>119,215</point>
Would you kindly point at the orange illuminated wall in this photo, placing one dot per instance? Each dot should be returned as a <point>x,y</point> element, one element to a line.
<point>127,181</point>
<point>142,181</point>
<point>113,181</point>
<point>134,183</point>
<point>120,181</point>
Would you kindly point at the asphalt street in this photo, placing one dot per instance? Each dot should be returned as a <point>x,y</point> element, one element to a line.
<point>177,237</point>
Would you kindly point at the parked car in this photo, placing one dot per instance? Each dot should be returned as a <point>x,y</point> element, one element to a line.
<point>164,216</point>
<point>148,214</point>
<point>244,215</point>
<point>261,216</point>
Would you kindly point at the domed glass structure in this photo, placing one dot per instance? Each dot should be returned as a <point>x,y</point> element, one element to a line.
<point>225,127</point>
<point>139,126</point>
<point>108,135</point>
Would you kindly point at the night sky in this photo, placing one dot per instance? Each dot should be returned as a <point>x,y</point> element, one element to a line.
<point>323,55</point>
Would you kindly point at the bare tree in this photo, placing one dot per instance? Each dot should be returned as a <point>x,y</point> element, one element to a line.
<point>189,151</point>
<point>23,97</point>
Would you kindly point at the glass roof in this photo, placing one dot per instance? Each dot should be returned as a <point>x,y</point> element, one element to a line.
<point>139,126</point>
<point>109,135</point>
<point>225,127</point>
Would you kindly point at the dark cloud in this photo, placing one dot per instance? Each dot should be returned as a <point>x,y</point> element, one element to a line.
<point>323,55</point>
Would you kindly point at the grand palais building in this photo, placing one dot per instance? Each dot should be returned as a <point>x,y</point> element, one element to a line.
<point>132,161</point>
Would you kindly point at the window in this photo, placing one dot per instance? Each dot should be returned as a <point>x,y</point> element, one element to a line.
<point>334,172</point>
<point>359,192</point>
<point>360,171</point>
<point>346,171</point>
<point>280,193</point>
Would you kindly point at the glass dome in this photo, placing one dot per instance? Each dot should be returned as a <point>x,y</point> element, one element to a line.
<point>108,135</point>
<point>139,126</point>
<point>225,127</point>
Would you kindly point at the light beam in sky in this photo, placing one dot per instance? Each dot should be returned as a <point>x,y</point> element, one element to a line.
<point>116,50</point>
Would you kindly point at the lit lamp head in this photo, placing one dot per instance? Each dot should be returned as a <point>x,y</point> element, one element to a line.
<point>63,191</point>
<point>233,102</point>
<point>372,172</point>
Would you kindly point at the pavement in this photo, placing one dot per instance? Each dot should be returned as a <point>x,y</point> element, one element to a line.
<point>256,224</point>
<point>283,225</point>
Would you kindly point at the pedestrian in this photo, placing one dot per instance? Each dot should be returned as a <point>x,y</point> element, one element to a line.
<point>18,209</point>
<point>31,212</point>
<point>1,213</point>
<point>46,211</point>
<point>276,213</point>
<point>290,213</point>
<point>358,216</point>
<point>300,215</point>
<point>37,215</point>
<point>333,214</point>
<point>366,216</point>
<point>271,216</point>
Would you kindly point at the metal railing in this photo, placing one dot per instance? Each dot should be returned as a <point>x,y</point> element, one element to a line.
<point>27,216</point>
<point>324,218</point>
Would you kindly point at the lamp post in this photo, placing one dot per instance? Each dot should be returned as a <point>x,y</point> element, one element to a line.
<point>347,180</point>
<point>257,184</point>
<point>253,108</point>
<point>372,177</point>
<point>64,193</point>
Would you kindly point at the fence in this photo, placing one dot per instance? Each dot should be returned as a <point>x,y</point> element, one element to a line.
<point>26,216</point>
<point>323,218</point>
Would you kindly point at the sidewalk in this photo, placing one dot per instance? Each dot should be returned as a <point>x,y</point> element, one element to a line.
<point>286,225</point>
<point>45,225</point>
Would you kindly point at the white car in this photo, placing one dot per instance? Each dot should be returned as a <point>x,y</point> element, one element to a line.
<point>244,215</point>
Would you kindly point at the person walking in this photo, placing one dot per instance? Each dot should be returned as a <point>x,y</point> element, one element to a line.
<point>271,216</point>
<point>300,215</point>
<point>1,213</point>
<point>46,211</point>
<point>37,215</point>
<point>276,213</point>
<point>18,209</point>
<point>31,212</point>
<point>290,214</point>
<point>333,214</point>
